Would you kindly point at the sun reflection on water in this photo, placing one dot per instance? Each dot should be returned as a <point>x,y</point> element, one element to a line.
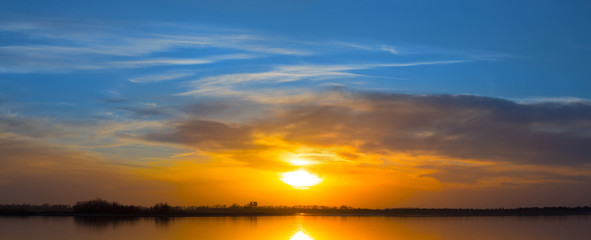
<point>300,235</point>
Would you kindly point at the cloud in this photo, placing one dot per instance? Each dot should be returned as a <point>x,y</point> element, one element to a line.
<point>551,99</point>
<point>412,64</point>
<point>226,83</point>
<point>180,61</point>
<point>25,126</point>
<point>146,111</point>
<point>389,49</point>
<point>245,42</point>
<point>370,47</point>
<point>126,39</point>
<point>58,60</point>
<point>211,85</point>
<point>360,142</point>
<point>238,110</point>
<point>206,134</point>
<point>68,46</point>
<point>453,138</point>
<point>62,46</point>
<point>459,126</point>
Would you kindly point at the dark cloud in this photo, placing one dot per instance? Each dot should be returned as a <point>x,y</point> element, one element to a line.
<point>26,126</point>
<point>215,107</point>
<point>206,135</point>
<point>481,128</point>
<point>145,111</point>
<point>456,126</point>
<point>234,109</point>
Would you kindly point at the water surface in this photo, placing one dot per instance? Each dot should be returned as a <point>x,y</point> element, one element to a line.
<point>296,228</point>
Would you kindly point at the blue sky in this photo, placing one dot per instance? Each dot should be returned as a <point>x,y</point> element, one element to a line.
<point>116,79</point>
<point>509,49</point>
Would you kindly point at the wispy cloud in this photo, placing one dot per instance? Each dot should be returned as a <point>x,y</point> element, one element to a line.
<point>62,46</point>
<point>250,43</point>
<point>126,39</point>
<point>565,100</point>
<point>68,47</point>
<point>224,83</point>
<point>389,49</point>
<point>180,61</point>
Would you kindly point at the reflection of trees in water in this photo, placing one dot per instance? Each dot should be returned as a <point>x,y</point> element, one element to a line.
<point>163,222</point>
<point>105,222</point>
<point>253,220</point>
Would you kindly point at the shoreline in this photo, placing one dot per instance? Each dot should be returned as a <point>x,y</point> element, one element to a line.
<point>262,214</point>
<point>99,208</point>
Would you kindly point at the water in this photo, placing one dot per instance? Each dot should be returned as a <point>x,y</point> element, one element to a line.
<point>297,228</point>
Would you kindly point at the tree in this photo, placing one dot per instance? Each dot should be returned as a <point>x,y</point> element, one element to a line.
<point>162,208</point>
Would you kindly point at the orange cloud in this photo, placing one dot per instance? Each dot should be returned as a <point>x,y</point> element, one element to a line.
<point>370,144</point>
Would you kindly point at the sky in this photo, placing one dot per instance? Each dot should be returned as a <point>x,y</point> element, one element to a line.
<point>365,103</point>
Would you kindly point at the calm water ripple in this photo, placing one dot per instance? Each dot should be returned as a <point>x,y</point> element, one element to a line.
<point>296,228</point>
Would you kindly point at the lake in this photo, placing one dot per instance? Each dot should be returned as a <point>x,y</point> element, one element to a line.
<point>297,227</point>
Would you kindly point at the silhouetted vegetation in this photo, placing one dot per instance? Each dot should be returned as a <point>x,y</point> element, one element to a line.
<point>100,207</point>
<point>26,209</point>
<point>162,208</point>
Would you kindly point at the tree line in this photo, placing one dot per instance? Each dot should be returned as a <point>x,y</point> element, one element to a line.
<point>103,207</point>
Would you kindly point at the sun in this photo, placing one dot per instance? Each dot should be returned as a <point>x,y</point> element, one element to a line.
<point>300,179</point>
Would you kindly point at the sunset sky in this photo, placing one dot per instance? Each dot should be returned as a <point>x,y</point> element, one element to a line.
<point>363,103</point>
